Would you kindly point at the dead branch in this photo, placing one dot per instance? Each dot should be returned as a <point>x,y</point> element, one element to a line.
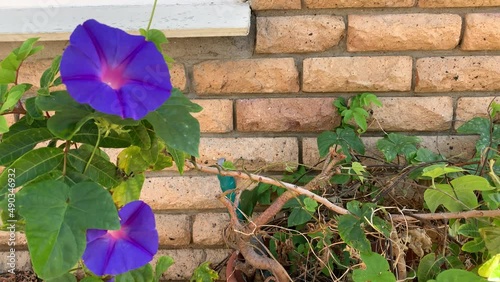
<point>446,215</point>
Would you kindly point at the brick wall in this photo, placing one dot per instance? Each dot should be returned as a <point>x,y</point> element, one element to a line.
<point>435,63</point>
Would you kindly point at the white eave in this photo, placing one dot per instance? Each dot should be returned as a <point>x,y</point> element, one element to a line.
<point>56,19</point>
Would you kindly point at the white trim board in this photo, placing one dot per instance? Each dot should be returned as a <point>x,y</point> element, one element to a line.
<point>56,19</point>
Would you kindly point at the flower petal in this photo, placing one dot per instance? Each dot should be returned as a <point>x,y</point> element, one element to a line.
<point>139,99</point>
<point>132,247</point>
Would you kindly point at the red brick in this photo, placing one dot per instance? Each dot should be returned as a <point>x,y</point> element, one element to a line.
<point>403,32</point>
<point>246,76</point>
<point>413,114</point>
<point>482,32</point>
<point>457,3</point>
<point>298,34</point>
<point>216,116</point>
<point>178,76</point>
<point>286,114</point>
<point>275,4</point>
<point>318,4</point>
<point>354,74</point>
<point>474,73</point>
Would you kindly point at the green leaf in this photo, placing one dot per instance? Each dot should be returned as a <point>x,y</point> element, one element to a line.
<point>67,277</point>
<point>310,205</point>
<point>377,269</point>
<point>204,273</point>
<point>437,170</point>
<point>360,116</point>
<point>395,144</point>
<point>27,49</point>
<point>13,96</point>
<point>49,75</point>
<point>65,124</point>
<point>20,143</point>
<point>4,126</point>
<point>178,157</point>
<point>359,170</point>
<point>459,195</point>
<point>99,170</point>
<point>475,246</point>
<point>491,268</point>
<point>491,237</point>
<point>345,137</point>
<point>60,101</point>
<point>88,134</point>
<point>488,138</point>
<point>139,136</point>
<point>162,265</point>
<point>429,267</point>
<point>22,125</point>
<point>425,155</point>
<point>32,109</point>
<point>143,274</point>
<point>174,124</point>
<point>458,275</point>
<point>91,279</point>
<point>155,36</point>
<point>131,160</point>
<point>470,230</point>
<point>57,217</point>
<point>8,69</point>
<point>352,234</point>
<point>298,216</point>
<point>128,190</point>
<point>31,165</point>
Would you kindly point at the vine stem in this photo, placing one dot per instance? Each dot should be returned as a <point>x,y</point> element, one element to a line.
<point>94,150</point>
<point>259,178</point>
<point>152,15</point>
<point>303,191</point>
<point>65,161</point>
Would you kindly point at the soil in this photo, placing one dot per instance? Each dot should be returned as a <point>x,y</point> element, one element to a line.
<point>20,276</point>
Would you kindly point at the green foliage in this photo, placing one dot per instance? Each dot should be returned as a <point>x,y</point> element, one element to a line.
<point>377,269</point>
<point>395,144</point>
<point>491,269</point>
<point>203,273</point>
<point>346,138</point>
<point>457,275</point>
<point>489,134</point>
<point>56,219</point>
<point>356,110</point>
<point>429,267</point>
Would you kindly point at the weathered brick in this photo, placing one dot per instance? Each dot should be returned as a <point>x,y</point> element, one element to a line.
<point>178,76</point>
<point>318,4</point>
<point>441,74</point>
<point>208,228</point>
<point>185,262</point>
<point>457,3</point>
<point>403,32</point>
<point>470,107</point>
<point>450,146</point>
<point>216,116</point>
<point>22,262</point>
<point>252,152</point>
<point>10,119</point>
<point>246,76</point>
<point>413,114</point>
<point>275,4</point>
<point>19,239</point>
<point>355,74</point>
<point>181,192</point>
<point>173,229</point>
<point>298,34</point>
<point>286,114</point>
<point>482,32</point>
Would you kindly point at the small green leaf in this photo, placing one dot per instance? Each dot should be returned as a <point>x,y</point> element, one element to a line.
<point>13,96</point>
<point>89,132</point>
<point>27,49</point>
<point>178,157</point>
<point>458,275</point>
<point>99,170</point>
<point>491,268</point>
<point>142,274</point>
<point>155,36</point>
<point>204,273</point>
<point>8,69</point>
<point>377,269</point>
<point>491,237</point>
<point>359,170</point>
<point>475,246</point>
<point>131,160</point>
<point>57,217</point>
<point>128,190</point>
<point>298,216</point>
<point>469,230</point>
<point>174,124</point>
<point>32,109</point>
<point>345,137</point>
<point>162,265</point>
<point>395,144</point>
<point>310,205</point>
<point>489,134</point>
<point>91,279</point>
<point>351,232</point>
<point>4,126</point>
<point>438,170</point>
<point>20,143</point>
<point>67,277</point>
<point>65,124</point>
<point>429,267</point>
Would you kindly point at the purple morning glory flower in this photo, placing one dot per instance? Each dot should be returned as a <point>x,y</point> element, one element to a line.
<point>112,252</point>
<point>114,72</point>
